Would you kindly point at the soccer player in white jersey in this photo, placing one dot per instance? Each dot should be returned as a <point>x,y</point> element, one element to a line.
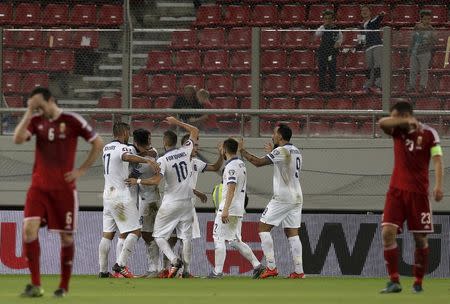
<point>285,208</point>
<point>176,206</point>
<point>119,210</point>
<point>228,222</point>
<point>148,198</point>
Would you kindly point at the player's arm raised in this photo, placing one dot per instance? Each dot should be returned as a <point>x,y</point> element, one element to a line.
<point>193,131</point>
<point>21,133</point>
<point>255,160</point>
<point>438,173</point>
<point>388,124</point>
<point>228,200</point>
<point>94,153</point>
<point>218,164</point>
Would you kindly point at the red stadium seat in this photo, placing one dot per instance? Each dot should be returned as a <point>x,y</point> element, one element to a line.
<point>198,81</point>
<point>58,39</point>
<point>210,38</point>
<point>9,38</point>
<point>339,104</point>
<point>240,61</point>
<point>184,39</point>
<point>236,15</point>
<point>110,102</point>
<point>32,81</point>
<point>12,83</point>
<point>208,15</point>
<point>32,61</point>
<point>428,103</point>
<point>243,85</point>
<point>187,61</point>
<point>14,101</point>
<point>61,61</point>
<point>163,85</point>
<point>270,39</point>
<point>29,39</point>
<point>159,61</point>
<point>318,128</point>
<point>401,39</point>
<point>6,13</point>
<point>292,15</point>
<point>301,61</point>
<point>142,124</point>
<point>348,15</point>
<point>344,128</point>
<point>85,39</point>
<point>442,38</point>
<point>265,127</point>
<point>219,84</point>
<point>376,9</point>
<point>437,62</point>
<point>83,14</point>
<point>355,85</point>
<point>110,15</point>
<point>246,103</point>
<point>368,103</point>
<point>10,60</point>
<point>276,85</point>
<point>141,103</point>
<point>405,15</point>
<point>282,103</point>
<point>240,37</point>
<point>315,14</point>
<point>356,62</point>
<point>399,61</point>
<point>140,84</point>
<point>273,61</point>
<point>225,103</point>
<point>305,85</point>
<point>299,39</point>
<point>164,102</point>
<point>311,103</point>
<point>264,15</point>
<point>28,14</point>
<point>102,127</point>
<point>350,39</point>
<point>398,84</point>
<point>229,127</point>
<point>444,86</point>
<point>439,14</point>
<point>55,14</point>
<point>215,61</point>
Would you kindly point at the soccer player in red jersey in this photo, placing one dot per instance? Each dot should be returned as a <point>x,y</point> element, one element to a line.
<point>52,198</point>
<point>407,199</point>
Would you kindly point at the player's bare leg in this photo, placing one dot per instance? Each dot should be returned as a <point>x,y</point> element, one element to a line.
<point>391,257</point>
<point>296,251</point>
<point>32,251</point>
<point>269,253</point>
<point>128,248</point>
<point>420,260</point>
<point>175,262</point>
<point>152,255</point>
<point>67,254</point>
<point>103,251</point>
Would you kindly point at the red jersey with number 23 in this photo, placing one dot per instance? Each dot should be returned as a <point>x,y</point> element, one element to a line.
<point>412,154</point>
<point>56,145</point>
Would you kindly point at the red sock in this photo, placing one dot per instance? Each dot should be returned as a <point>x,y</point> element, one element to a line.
<point>391,257</point>
<point>67,253</point>
<point>33,254</point>
<point>420,264</point>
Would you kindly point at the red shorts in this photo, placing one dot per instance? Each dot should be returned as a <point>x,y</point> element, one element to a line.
<point>410,206</point>
<point>56,209</point>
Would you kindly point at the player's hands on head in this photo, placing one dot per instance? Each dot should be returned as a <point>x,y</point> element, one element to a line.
<point>438,194</point>
<point>225,216</point>
<point>131,181</point>
<point>171,120</point>
<point>33,104</point>
<point>220,148</point>
<point>74,175</point>
<point>268,147</point>
<point>414,124</point>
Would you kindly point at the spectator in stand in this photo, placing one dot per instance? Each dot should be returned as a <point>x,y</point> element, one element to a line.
<point>422,44</point>
<point>188,101</point>
<point>331,40</point>
<point>373,45</point>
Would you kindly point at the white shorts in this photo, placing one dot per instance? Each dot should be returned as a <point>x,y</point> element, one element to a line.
<point>174,215</point>
<point>147,214</point>
<point>120,213</point>
<point>195,226</point>
<point>227,232</point>
<point>286,214</point>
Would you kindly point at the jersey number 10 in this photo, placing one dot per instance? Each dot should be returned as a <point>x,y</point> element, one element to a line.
<point>182,171</point>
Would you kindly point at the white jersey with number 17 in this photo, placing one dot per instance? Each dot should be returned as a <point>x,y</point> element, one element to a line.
<point>115,170</point>
<point>287,162</point>
<point>175,166</point>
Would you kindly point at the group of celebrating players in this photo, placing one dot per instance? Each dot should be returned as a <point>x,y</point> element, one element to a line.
<point>136,171</point>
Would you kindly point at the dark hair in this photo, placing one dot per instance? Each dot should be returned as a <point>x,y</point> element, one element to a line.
<point>140,136</point>
<point>285,132</point>
<point>185,138</point>
<point>424,13</point>
<point>119,128</point>
<point>46,94</point>
<point>231,145</point>
<point>328,12</point>
<point>170,138</point>
<point>402,107</point>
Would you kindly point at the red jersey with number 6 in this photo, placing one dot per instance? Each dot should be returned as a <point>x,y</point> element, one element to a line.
<point>56,145</point>
<point>412,154</point>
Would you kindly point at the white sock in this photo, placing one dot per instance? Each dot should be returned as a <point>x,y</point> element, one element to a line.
<point>128,248</point>
<point>267,247</point>
<point>164,246</point>
<point>152,256</point>
<point>187,255</point>
<point>220,255</point>
<point>103,252</point>
<point>246,251</point>
<point>296,250</point>
<point>119,247</point>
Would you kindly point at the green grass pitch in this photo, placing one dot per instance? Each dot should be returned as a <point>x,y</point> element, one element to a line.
<point>231,290</point>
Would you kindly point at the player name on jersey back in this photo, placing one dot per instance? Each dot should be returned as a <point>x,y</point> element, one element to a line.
<point>115,170</point>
